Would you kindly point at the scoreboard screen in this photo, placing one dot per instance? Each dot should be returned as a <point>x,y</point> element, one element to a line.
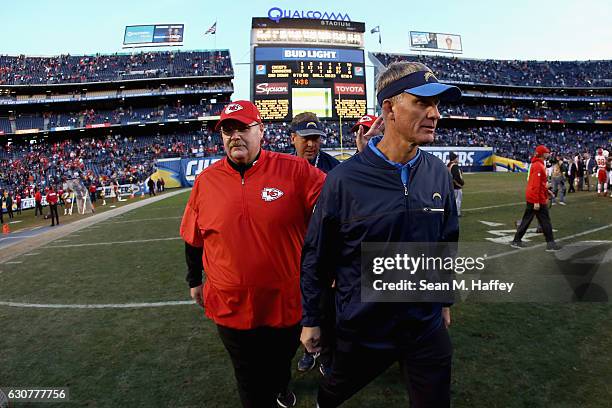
<point>327,81</point>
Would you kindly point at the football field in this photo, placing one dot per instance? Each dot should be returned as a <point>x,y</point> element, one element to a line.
<point>106,312</point>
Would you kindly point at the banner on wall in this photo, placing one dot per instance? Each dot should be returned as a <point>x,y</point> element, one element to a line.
<point>181,172</point>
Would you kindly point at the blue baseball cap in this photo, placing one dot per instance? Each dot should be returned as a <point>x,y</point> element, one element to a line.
<point>420,83</point>
<point>308,128</point>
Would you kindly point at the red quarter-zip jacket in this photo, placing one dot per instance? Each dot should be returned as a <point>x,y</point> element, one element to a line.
<point>252,230</point>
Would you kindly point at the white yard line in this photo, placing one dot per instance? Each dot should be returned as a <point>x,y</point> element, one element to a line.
<point>145,219</point>
<point>135,241</point>
<point>49,236</point>
<point>517,251</point>
<point>492,206</point>
<point>98,306</point>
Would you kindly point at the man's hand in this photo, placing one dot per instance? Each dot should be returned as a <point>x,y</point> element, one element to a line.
<point>362,139</point>
<point>536,206</point>
<point>196,294</point>
<point>446,316</point>
<point>311,338</point>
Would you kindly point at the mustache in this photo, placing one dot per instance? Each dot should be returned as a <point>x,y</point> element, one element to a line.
<point>236,144</point>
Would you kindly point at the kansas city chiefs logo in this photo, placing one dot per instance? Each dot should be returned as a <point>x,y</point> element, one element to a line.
<point>364,119</point>
<point>271,194</point>
<point>233,107</point>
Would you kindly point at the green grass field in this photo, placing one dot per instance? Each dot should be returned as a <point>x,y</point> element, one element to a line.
<point>506,354</point>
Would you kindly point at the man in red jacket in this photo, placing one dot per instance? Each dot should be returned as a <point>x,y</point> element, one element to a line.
<point>244,225</point>
<point>537,196</point>
<point>38,202</point>
<point>52,199</point>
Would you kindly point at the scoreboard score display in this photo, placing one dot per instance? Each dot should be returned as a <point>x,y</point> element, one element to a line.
<point>327,81</point>
<point>295,77</point>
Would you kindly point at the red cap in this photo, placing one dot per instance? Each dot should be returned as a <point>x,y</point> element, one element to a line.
<point>242,111</point>
<point>366,121</point>
<point>541,149</point>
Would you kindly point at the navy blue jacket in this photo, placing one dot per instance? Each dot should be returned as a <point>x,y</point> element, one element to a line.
<point>365,200</point>
<point>325,161</point>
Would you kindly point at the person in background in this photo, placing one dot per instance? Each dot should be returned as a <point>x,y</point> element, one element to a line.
<point>306,135</point>
<point>151,185</point>
<point>52,199</point>
<point>8,199</point>
<point>18,202</point>
<point>537,196</point>
<point>37,202</point>
<point>366,127</point>
<point>457,175</point>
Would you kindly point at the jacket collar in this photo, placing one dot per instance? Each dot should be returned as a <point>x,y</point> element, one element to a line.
<point>242,169</point>
<point>377,160</point>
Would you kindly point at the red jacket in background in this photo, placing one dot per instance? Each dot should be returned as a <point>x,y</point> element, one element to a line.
<point>52,197</point>
<point>536,192</point>
<point>252,230</point>
<point>38,196</point>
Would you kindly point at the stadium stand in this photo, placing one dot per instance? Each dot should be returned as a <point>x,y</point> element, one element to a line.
<point>25,70</point>
<point>513,72</point>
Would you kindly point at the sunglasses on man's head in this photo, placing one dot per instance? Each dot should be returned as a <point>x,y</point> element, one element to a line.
<point>230,128</point>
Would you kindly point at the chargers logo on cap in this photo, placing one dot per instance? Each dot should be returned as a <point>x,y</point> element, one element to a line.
<point>438,195</point>
<point>311,124</point>
<point>428,75</point>
<point>233,107</point>
<point>271,194</point>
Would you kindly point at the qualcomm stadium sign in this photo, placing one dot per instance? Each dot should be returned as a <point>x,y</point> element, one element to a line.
<point>276,14</point>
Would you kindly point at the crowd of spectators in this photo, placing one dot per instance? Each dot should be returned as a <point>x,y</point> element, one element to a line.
<point>121,159</point>
<point>124,115</point>
<point>513,72</point>
<point>524,112</point>
<point>217,85</point>
<point>519,144</point>
<point>26,70</point>
<point>116,159</point>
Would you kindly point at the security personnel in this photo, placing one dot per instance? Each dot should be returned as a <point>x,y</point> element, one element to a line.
<point>306,133</point>
<point>384,194</point>
<point>244,225</point>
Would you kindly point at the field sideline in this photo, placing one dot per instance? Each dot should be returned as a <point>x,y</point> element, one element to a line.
<point>146,344</point>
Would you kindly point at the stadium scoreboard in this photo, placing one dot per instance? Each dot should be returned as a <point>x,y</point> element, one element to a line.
<point>308,65</point>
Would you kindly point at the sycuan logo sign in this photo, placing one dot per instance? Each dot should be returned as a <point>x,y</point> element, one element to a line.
<point>278,88</point>
<point>276,13</point>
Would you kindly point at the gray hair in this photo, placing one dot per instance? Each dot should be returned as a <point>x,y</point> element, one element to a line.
<point>396,71</point>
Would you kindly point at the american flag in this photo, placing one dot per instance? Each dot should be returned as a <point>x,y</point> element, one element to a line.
<point>212,29</point>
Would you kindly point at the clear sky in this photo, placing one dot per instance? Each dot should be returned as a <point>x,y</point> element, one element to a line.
<point>518,29</point>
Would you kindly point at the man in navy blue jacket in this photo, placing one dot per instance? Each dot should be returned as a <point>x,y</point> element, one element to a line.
<point>391,192</point>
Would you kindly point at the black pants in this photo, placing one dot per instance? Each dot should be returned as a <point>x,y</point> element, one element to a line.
<point>262,361</point>
<point>425,366</point>
<point>38,209</point>
<point>543,218</point>
<point>54,214</point>
<point>328,326</point>
<point>571,184</point>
